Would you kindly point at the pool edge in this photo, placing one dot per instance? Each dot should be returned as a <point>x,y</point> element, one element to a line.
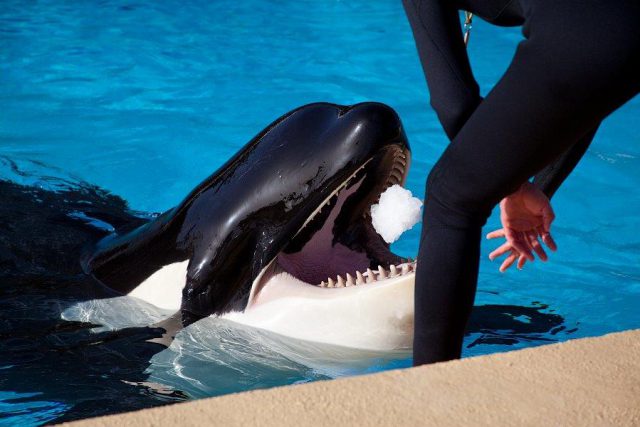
<point>588,381</point>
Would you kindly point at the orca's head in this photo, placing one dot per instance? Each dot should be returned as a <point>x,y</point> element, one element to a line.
<point>287,216</point>
<point>326,271</point>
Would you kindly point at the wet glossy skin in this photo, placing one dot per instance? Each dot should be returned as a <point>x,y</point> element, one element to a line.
<point>236,221</point>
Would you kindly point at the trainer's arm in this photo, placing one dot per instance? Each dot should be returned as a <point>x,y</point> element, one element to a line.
<point>454,91</point>
<point>551,177</point>
<point>548,180</point>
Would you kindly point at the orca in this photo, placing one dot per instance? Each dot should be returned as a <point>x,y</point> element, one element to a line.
<point>61,323</point>
<point>280,236</point>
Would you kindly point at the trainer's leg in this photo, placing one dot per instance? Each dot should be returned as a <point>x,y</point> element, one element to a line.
<point>578,64</point>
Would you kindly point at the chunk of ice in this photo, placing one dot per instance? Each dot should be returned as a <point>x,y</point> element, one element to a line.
<point>396,212</point>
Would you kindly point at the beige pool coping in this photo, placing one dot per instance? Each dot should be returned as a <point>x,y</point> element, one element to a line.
<point>584,382</point>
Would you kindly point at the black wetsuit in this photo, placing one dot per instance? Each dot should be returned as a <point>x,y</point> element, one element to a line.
<point>579,61</point>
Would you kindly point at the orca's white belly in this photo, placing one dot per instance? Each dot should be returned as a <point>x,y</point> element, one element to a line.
<point>164,287</point>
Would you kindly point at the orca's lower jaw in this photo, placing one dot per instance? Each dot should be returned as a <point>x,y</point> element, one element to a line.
<point>338,247</point>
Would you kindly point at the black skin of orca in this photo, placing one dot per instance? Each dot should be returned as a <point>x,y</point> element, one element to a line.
<point>238,219</point>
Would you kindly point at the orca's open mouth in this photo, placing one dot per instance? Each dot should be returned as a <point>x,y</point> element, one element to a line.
<point>338,247</point>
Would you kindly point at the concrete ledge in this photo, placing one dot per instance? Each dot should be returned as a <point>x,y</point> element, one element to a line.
<point>586,382</point>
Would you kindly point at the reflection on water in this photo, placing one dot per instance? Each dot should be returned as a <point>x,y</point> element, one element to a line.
<point>71,349</point>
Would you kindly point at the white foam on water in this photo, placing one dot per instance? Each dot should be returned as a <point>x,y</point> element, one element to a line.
<point>396,212</point>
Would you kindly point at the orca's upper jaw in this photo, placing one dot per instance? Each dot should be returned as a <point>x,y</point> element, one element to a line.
<point>338,246</point>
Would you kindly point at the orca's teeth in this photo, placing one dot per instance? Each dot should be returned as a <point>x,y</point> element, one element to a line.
<point>395,177</point>
<point>350,281</point>
<point>370,276</point>
<point>394,270</point>
<point>382,273</point>
<point>398,171</point>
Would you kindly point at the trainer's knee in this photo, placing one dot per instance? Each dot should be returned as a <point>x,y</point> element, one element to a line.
<point>451,203</point>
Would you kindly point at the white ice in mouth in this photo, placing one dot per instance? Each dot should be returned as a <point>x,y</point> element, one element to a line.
<point>396,212</point>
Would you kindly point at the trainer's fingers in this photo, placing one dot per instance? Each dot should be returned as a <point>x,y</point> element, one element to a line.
<point>496,233</point>
<point>521,262</point>
<point>528,243</point>
<point>519,243</point>
<point>548,240</point>
<point>504,248</point>
<point>508,262</point>
<point>547,217</point>
<point>535,244</point>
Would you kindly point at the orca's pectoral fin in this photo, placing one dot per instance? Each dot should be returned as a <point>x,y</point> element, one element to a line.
<point>201,294</point>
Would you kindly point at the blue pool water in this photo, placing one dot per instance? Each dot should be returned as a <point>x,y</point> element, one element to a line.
<point>145,99</point>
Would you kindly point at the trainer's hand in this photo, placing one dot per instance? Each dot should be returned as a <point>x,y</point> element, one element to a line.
<point>525,216</point>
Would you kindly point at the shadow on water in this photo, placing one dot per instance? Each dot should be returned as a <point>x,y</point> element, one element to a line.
<point>42,234</point>
<point>54,369</point>
<point>512,324</point>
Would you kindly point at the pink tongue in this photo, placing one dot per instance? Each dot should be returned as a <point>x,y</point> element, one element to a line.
<point>319,259</point>
<point>315,265</point>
